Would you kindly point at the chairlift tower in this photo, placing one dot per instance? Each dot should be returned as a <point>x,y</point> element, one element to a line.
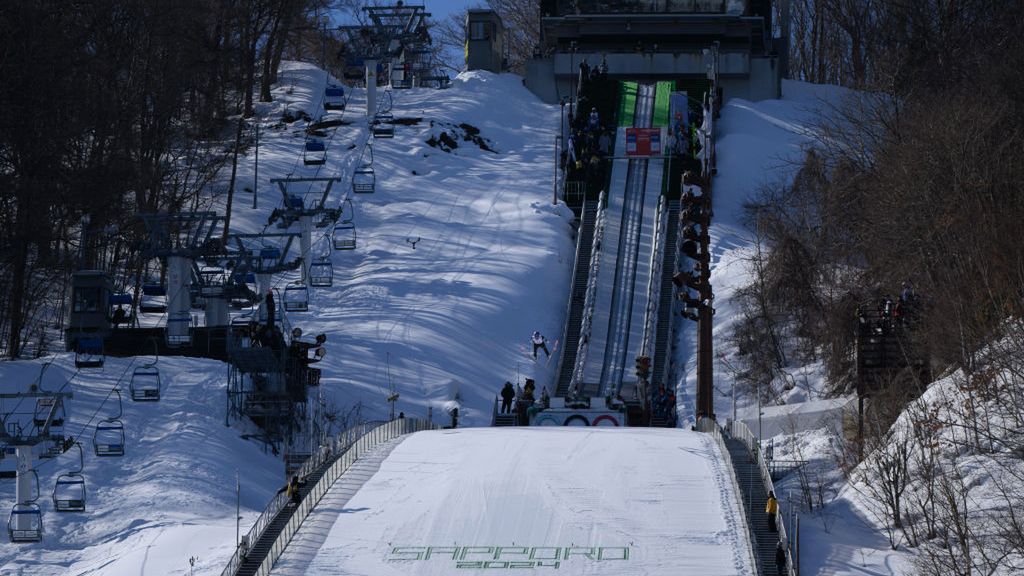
<point>307,214</point>
<point>264,261</point>
<point>24,436</point>
<point>397,33</point>
<point>180,240</point>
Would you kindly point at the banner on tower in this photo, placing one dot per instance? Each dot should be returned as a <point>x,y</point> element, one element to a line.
<point>643,142</point>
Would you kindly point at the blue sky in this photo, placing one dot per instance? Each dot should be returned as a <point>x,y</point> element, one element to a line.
<point>440,9</point>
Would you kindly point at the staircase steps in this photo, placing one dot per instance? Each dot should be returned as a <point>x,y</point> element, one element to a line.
<point>261,548</point>
<point>666,306</point>
<point>754,498</point>
<point>505,420</point>
<point>579,291</point>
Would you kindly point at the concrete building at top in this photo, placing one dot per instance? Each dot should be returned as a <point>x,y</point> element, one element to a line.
<point>485,41</point>
<point>650,40</point>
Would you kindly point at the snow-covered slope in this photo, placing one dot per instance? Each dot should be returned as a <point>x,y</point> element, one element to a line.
<point>492,255</point>
<point>171,496</point>
<point>586,501</point>
<point>491,265</point>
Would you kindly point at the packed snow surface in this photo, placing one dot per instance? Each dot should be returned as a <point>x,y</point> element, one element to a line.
<point>578,501</point>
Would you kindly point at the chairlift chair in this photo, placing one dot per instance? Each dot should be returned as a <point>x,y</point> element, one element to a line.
<point>184,338</point>
<point>269,256</point>
<point>321,272</point>
<point>69,493</point>
<point>364,180</point>
<point>89,353</point>
<point>344,236</point>
<point>296,298</point>
<point>315,153</point>
<point>145,384</point>
<point>154,299</point>
<point>334,98</point>
<point>108,439</point>
<point>383,126</point>
<point>33,532</point>
<point>69,489</point>
<point>400,78</point>
<point>44,406</point>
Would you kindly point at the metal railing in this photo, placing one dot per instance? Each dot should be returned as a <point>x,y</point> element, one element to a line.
<point>709,426</point>
<point>572,288</point>
<point>741,432</point>
<point>588,300</point>
<point>342,451</point>
<point>574,192</point>
<point>654,282</point>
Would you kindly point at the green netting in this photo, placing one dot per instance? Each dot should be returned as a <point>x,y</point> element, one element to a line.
<point>662,92</point>
<point>628,100</point>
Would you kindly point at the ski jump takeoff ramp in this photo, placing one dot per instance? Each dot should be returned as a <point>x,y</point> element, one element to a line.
<point>626,501</point>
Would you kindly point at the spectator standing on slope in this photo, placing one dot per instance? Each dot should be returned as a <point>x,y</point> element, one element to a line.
<point>508,394</point>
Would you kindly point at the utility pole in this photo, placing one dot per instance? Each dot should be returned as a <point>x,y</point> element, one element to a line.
<point>238,509</point>
<point>256,168</point>
<point>554,186</point>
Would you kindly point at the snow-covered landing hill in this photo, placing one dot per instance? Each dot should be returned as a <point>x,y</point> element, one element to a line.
<point>591,501</point>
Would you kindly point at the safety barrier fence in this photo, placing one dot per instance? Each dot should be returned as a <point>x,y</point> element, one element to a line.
<point>741,432</point>
<point>588,300</point>
<point>342,451</point>
<point>709,426</point>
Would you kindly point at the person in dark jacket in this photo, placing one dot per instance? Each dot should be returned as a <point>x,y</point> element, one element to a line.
<point>780,558</point>
<point>508,393</point>
<point>293,489</point>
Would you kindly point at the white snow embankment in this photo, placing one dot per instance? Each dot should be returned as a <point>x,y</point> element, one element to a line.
<point>584,501</point>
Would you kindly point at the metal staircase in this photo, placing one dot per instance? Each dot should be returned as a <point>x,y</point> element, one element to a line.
<point>666,305</point>
<point>755,497</point>
<point>579,290</point>
<point>259,550</point>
